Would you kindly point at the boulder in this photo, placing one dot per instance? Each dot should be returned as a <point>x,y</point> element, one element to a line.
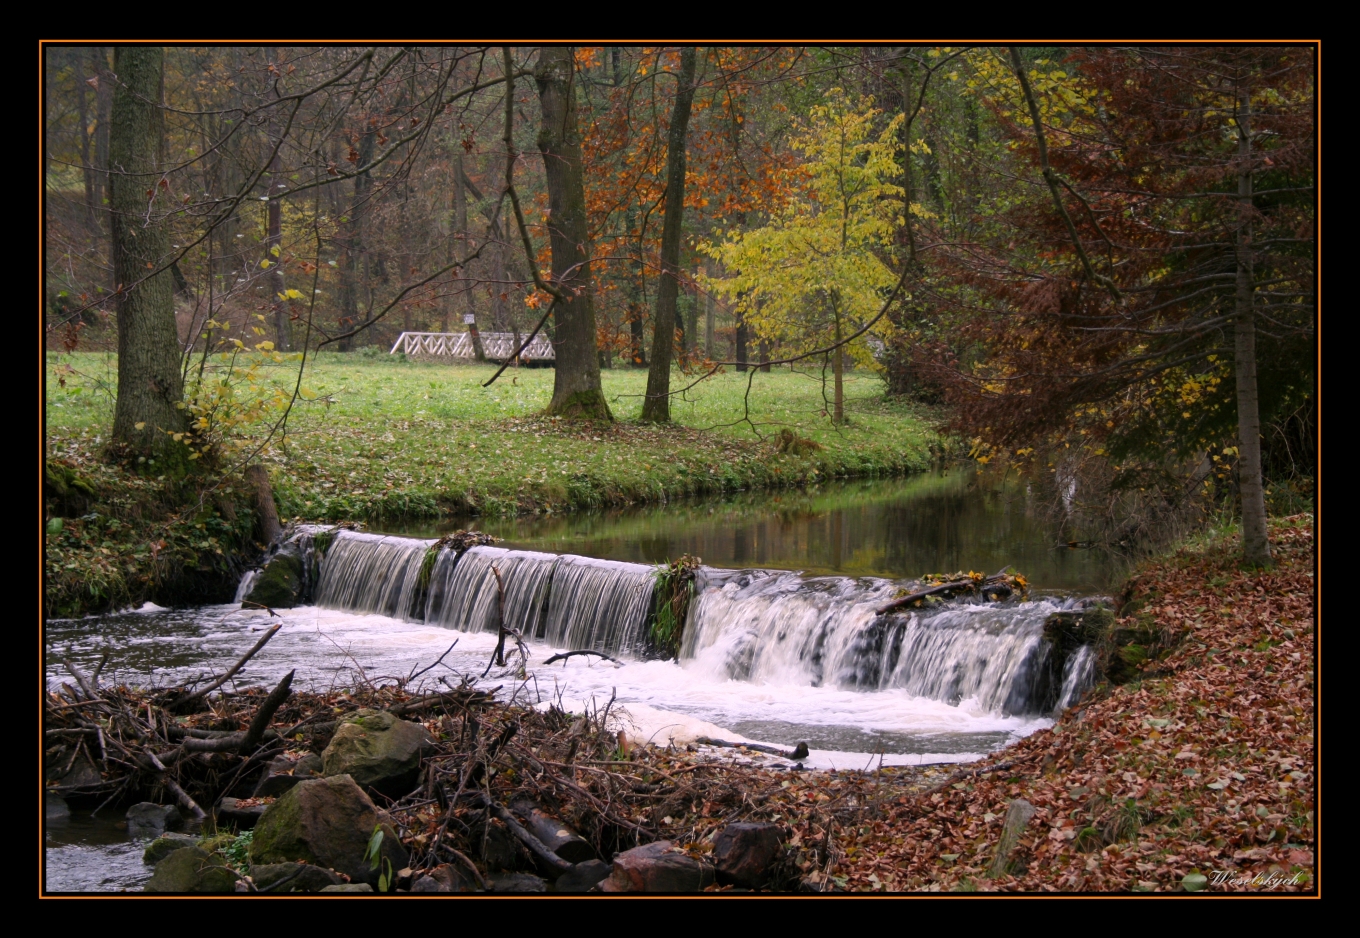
<point>55,807</point>
<point>279,585</point>
<point>583,876</point>
<point>378,751</point>
<point>327,822</point>
<point>657,867</point>
<point>283,773</point>
<point>745,854</point>
<point>152,820</point>
<point>349,887</point>
<point>166,844</point>
<point>518,883</point>
<point>284,878</point>
<point>192,870</point>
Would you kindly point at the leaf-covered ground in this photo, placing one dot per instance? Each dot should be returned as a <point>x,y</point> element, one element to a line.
<point>1204,767</point>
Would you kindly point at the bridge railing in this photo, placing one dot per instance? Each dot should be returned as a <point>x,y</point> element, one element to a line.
<point>458,345</point>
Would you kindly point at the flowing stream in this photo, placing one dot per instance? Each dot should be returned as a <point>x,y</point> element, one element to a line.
<point>769,652</point>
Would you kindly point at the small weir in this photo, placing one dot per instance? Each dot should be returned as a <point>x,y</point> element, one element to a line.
<point>756,626</point>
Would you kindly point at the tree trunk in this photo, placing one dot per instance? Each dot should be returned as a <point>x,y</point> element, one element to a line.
<point>273,246</point>
<point>838,370</point>
<point>576,380</point>
<point>764,355</point>
<point>740,341</point>
<point>150,385</point>
<point>353,269</point>
<point>460,227</point>
<point>83,111</point>
<point>103,106</point>
<point>1255,546</point>
<point>708,326</point>
<point>656,405</point>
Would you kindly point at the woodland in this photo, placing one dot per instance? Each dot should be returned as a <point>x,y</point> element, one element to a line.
<point>1089,267</point>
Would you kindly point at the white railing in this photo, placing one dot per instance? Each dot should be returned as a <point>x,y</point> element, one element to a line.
<point>495,345</point>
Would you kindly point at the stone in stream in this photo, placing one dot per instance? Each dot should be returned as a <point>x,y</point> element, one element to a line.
<point>243,817</point>
<point>166,844</point>
<point>279,585</point>
<point>746,853</point>
<point>283,773</point>
<point>327,822</point>
<point>348,887</point>
<point>55,807</point>
<point>657,867</point>
<point>282,878</point>
<point>1018,815</point>
<point>378,751</point>
<point>583,876</point>
<point>152,820</point>
<point>192,870</point>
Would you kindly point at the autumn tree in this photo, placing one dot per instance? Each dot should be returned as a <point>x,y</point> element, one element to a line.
<point>816,272</point>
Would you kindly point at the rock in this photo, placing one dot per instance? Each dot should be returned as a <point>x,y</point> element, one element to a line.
<point>280,583</point>
<point>583,876</point>
<point>657,867</point>
<point>1018,814</point>
<point>349,887</point>
<point>55,807</point>
<point>281,878</point>
<point>242,818</point>
<point>501,850</point>
<point>746,853</point>
<point>283,773</point>
<point>555,835</point>
<point>378,751</point>
<point>152,820</point>
<point>518,882</point>
<point>166,844</point>
<point>192,870</point>
<point>443,878</point>
<point>327,822</point>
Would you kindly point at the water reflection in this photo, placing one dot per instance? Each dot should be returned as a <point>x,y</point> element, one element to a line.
<point>936,522</point>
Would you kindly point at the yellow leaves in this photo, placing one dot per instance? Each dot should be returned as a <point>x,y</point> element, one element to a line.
<point>289,295</point>
<point>265,264</point>
<point>140,424</point>
<point>275,251</point>
<point>265,346</point>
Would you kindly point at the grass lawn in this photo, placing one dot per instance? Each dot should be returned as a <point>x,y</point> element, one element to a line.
<point>378,437</point>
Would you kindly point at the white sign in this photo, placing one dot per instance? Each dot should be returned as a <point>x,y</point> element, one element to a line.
<point>469,319</point>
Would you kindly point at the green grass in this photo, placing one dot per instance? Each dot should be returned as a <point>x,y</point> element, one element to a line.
<point>383,438</point>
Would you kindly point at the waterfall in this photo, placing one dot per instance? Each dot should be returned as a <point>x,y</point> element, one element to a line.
<point>758,626</point>
<point>1078,675</point>
<point>783,629</point>
<point>599,604</point>
<point>246,585</point>
<point>463,592</point>
<point>370,573</point>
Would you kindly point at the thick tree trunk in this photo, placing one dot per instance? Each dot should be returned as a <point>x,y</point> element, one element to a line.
<point>656,405</point>
<point>150,385</point>
<point>764,355</point>
<point>576,384</point>
<point>353,269</point>
<point>1255,546</point>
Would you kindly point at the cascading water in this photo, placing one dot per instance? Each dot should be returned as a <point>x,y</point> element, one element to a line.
<point>370,573</point>
<point>464,594</point>
<point>758,627</point>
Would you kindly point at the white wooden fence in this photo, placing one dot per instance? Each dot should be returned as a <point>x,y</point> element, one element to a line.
<point>497,346</point>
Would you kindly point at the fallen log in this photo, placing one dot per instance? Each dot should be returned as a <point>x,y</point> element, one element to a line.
<point>969,584</point>
<point>798,752</point>
<point>536,847</point>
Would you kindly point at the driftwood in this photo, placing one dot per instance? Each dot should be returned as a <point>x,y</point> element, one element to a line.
<point>537,847</point>
<point>798,752</point>
<point>998,584</point>
<point>182,703</point>
<point>567,654</point>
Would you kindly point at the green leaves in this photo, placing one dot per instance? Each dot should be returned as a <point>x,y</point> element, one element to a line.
<point>376,860</point>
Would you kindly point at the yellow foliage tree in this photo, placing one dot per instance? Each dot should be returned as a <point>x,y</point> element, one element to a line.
<point>817,271</point>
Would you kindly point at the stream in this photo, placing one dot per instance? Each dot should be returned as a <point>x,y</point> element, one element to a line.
<point>782,644</point>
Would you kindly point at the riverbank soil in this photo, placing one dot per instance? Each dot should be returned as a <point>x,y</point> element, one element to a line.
<point>1198,774</point>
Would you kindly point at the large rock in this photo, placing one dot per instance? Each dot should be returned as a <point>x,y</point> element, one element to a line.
<point>443,878</point>
<point>326,822</point>
<point>280,583</point>
<point>192,870</point>
<point>349,887</point>
<point>291,877</point>
<point>517,883</point>
<point>746,853</point>
<point>166,844</point>
<point>378,751</point>
<point>231,813</point>
<point>152,820</point>
<point>657,867</point>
